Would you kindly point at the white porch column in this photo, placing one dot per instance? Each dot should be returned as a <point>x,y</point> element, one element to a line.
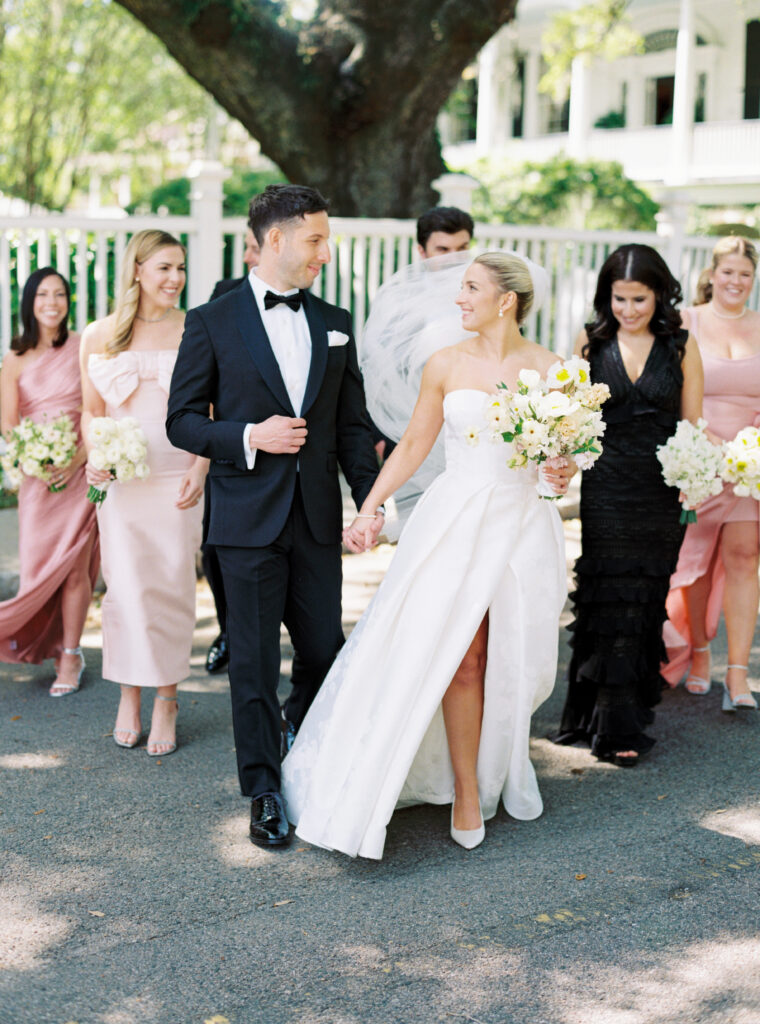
<point>530,110</point>
<point>206,243</point>
<point>671,226</point>
<point>683,98</point>
<point>577,142</point>
<point>487,99</point>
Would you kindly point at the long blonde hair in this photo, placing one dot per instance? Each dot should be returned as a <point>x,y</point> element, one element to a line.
<point>141,247</point>
<point>729,246</point>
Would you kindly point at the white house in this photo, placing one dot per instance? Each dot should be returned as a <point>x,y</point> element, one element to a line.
<point>690,104</point>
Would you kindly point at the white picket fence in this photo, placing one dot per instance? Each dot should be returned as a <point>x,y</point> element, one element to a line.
<point>88,251</point>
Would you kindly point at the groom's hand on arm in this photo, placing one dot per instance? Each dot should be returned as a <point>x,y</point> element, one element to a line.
<point>279,435</point>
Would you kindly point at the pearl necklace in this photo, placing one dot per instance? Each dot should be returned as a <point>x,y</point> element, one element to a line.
<point>156,320</point>
<point>727,316</point>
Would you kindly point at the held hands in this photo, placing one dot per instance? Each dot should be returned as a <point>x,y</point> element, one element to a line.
<point>558,473</point>
<point>363,532</point>
<point>279,435</point>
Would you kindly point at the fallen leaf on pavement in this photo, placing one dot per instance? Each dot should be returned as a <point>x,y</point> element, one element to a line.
<point>281,903</point>
<point>15,718</point>
<point>40,812</point>
<point>579,878</point>
<point>217,1019</point>
<point>96,913</point>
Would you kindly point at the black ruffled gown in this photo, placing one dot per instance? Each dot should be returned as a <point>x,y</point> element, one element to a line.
<point>631,536</point>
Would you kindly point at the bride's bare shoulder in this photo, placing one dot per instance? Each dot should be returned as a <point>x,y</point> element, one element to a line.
<point>538,358</point>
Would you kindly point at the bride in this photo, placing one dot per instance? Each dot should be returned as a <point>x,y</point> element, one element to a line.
<point>431,698</point>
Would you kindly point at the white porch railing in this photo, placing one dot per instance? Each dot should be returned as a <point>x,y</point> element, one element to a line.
<point>365,254</point>
<point>721,150</point>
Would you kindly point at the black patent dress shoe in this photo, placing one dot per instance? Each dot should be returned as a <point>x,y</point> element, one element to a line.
<point>218,655</point>
<point>269,823</point>
<point>287,738</point>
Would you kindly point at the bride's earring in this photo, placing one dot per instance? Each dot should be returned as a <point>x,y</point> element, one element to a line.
<point>501,313</point>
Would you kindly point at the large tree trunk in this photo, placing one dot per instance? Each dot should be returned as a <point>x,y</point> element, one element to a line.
<point>346,102</point>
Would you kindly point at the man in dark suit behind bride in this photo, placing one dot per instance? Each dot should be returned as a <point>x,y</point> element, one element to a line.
<point>279,367</point>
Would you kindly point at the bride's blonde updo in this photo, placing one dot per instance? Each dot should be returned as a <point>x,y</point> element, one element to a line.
<point>510,274</point>
<point>141,247</point>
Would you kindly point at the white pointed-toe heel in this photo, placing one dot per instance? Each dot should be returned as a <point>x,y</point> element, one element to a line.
<point>468,838</point>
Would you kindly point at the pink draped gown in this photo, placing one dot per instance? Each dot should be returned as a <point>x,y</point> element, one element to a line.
<point>148,545</point>
<point>53,527</point>
<point>732,402</point>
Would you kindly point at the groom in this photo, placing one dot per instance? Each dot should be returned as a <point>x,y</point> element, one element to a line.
<point>279,367</point>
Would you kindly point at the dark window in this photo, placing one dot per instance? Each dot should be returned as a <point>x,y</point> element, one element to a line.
<point>518,107</point>
<point>752,71</point>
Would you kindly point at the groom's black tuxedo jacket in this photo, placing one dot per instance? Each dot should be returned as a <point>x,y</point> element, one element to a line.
<point>225,360</point>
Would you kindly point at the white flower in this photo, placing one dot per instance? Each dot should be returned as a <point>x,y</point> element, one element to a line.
<point>585,460</point>
<point>530,378</point>
<point>556,404</point>
<point>472,436</point>
<point>142,470</point>
<point>97,459</point>
<point>134,449</point>
<point>558,376</point>
<point>100,428</point>
<point>125,471</point>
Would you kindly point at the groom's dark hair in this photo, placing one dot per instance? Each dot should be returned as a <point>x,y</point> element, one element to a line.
<point>280,203</point>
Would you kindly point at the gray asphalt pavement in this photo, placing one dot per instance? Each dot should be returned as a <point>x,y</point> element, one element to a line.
<point>129,891</point>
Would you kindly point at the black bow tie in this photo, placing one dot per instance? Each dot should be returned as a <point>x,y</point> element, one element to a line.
<point>272,298</point>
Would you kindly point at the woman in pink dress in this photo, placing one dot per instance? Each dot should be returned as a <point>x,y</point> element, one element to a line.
<point>718,563</point>
<point>58,546</point>
<point>150,529</point>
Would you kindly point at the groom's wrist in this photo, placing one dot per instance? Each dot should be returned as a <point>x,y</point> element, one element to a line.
<point>249,445</point>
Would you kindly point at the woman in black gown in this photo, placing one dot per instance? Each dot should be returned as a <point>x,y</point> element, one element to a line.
<point>630,519</point>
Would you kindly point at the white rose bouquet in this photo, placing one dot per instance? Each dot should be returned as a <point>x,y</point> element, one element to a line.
<point>559,417</point>
<point>692,463</point>
<point>741,463</point>
<point>33,449</point>
<point>119,447</point>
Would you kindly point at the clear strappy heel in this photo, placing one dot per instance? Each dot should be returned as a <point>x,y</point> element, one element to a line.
<point>64,689</point>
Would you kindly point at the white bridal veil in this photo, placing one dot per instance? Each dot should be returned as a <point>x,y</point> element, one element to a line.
<point>413,315</point>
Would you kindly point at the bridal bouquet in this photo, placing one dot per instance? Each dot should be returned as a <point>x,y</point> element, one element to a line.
<point>741,463</point>
<point>559,417</point>
<point>118,446</point>
<point>692,463</point>
<point>33,449</point>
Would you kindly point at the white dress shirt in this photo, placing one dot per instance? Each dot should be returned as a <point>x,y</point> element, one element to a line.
<point>290,338</point>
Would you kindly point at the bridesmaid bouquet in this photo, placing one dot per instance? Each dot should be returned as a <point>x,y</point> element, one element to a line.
<point>118,446</point>
<point>32,449</point>
<point>692,463</point>
<point>741,463</point>
<point>559,417</point>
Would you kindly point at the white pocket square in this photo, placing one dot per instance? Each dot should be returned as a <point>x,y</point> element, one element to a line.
<point>336,338</point>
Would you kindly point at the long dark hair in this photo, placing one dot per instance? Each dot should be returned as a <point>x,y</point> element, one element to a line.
<point>644,264</point>
<point>30,331</point>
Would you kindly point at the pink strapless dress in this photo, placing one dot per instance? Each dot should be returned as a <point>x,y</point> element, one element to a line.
<point>148,545</point>
<point>732,402</point>
<point>53,527</point>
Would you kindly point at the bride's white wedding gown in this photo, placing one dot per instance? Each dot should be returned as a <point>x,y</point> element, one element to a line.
<point>480,539</point>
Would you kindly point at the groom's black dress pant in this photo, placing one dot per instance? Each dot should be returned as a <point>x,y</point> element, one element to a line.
<point>294,581</point>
